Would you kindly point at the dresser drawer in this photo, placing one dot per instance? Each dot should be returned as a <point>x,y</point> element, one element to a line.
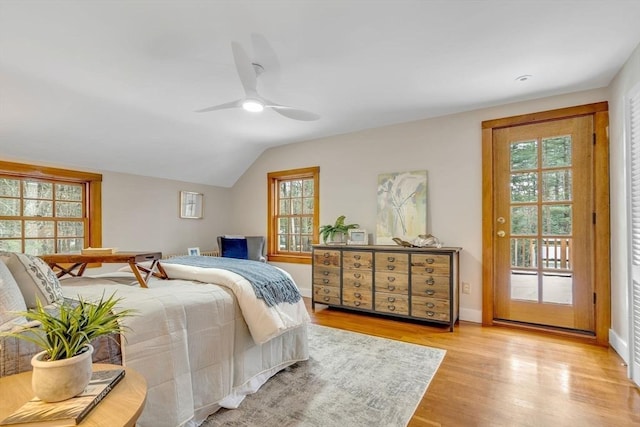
<point>431,291</point>
<point>326,258</point>
<point>357,287</point>
<point>392,303</point>
<point>391,281</point>
<point>430,264</point>
<point>326,294</point>
<point>357,260</point>
<point>357,298</point>
<point>430,308</point>
<point>391,261</point>
<point>326,276</point>
<point>420,280</point>
<point>355,278</point>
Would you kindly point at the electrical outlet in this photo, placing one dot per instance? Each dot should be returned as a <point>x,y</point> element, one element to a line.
<point>466,288</point>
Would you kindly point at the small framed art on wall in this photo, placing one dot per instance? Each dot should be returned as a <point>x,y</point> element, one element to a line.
<point>191,205</point>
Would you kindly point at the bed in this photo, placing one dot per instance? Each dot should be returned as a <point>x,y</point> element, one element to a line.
<point>201,339</point>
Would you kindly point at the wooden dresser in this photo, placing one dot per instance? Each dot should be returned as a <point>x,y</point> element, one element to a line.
<point>414,283</point>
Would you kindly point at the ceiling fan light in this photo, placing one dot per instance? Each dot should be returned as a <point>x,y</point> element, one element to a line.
<point>253,105</point>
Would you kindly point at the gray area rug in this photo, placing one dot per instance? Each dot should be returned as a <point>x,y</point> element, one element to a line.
<point>350,380</point>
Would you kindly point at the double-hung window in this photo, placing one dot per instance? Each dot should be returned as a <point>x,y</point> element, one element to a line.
<point>48,210</point>
<point>293,214</point>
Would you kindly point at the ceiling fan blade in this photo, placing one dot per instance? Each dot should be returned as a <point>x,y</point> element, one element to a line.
<point>264,55</point>
<point>233,104</point>
<point>294,113</point>
<point>245,69</point>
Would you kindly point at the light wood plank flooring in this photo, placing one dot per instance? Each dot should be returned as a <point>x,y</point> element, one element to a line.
<point>496,376</point>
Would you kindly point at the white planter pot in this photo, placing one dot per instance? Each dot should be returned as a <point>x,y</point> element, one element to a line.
<point>53,381</point>
<point>337,239</point>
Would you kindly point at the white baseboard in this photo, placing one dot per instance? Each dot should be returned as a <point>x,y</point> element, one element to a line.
<point>619,345</point>
<point>470,315</point>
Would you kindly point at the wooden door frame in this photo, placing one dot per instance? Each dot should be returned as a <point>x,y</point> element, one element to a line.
<point>602,236</point>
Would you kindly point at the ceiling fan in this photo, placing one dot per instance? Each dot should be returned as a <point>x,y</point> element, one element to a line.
<point>248,73</point>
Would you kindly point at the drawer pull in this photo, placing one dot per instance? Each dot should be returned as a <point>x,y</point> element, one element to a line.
<point>357,284</point>
<point>326,291</point>
<point>391,299</point>
<point>327,298</point>
<point>391,259</point>
<point>430,313</point>
<point>430,260</point>
<point>326,273</point>
<point>327,255</point>
<point>325,281</point>
<point>356,303</point>
<point>326,262</point>
<point>357,264</point>
<point>391,307</point>
<point>357,275</point>
<point>357,295</point>
<point>429,270</point>
<point>357,256</point>
<point>430,281</point>
<point>430,292</point>
<point>391,287</point>
<point>430,305</point>
<point>391,267</point>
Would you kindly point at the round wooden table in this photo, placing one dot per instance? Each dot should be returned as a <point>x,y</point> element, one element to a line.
<point>121,407</point>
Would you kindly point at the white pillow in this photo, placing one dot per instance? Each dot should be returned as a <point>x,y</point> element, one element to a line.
<point>11,299</point>
<point>35,279</point>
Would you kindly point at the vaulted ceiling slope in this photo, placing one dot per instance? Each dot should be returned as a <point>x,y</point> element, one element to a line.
<point>114,85</point>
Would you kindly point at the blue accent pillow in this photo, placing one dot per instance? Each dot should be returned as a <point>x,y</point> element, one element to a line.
<point>234,248</point>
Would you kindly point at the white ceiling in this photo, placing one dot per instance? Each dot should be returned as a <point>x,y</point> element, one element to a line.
<point>113,85</point>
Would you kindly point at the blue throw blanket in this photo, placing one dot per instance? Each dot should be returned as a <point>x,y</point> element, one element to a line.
<point>269,283</point>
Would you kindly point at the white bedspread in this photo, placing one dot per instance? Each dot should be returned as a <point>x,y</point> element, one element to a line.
<point>264,322</point>
<point>191,344</point>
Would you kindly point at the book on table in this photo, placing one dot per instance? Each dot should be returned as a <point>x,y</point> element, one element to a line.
<point>98,251</point>
<point>68,412</point>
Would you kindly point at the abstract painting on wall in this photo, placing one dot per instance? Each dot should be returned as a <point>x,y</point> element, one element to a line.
<point>402,206</point>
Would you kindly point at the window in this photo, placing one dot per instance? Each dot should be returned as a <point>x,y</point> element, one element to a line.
<point>48,210</point>
<point>293,214</point>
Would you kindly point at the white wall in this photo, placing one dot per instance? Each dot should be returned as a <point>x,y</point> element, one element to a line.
<point>141,213</point>
<point>448,147</point>
<point>627,78</point>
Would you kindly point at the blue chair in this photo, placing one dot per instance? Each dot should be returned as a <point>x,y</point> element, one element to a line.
<point>242,247</point>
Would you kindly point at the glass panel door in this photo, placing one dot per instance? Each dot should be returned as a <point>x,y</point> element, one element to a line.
<point>542,219</point>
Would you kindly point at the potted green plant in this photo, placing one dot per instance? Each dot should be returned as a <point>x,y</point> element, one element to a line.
<point>63,369</point>
<point>336,232</point>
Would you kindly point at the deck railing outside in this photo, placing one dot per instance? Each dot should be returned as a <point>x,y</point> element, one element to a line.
<point>555,253</point>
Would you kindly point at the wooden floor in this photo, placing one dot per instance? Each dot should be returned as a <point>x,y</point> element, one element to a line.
<point>496,376</point>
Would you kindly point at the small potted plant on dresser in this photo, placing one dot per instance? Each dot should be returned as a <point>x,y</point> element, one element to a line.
<point>336,233</point>
<point>64,367</point>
